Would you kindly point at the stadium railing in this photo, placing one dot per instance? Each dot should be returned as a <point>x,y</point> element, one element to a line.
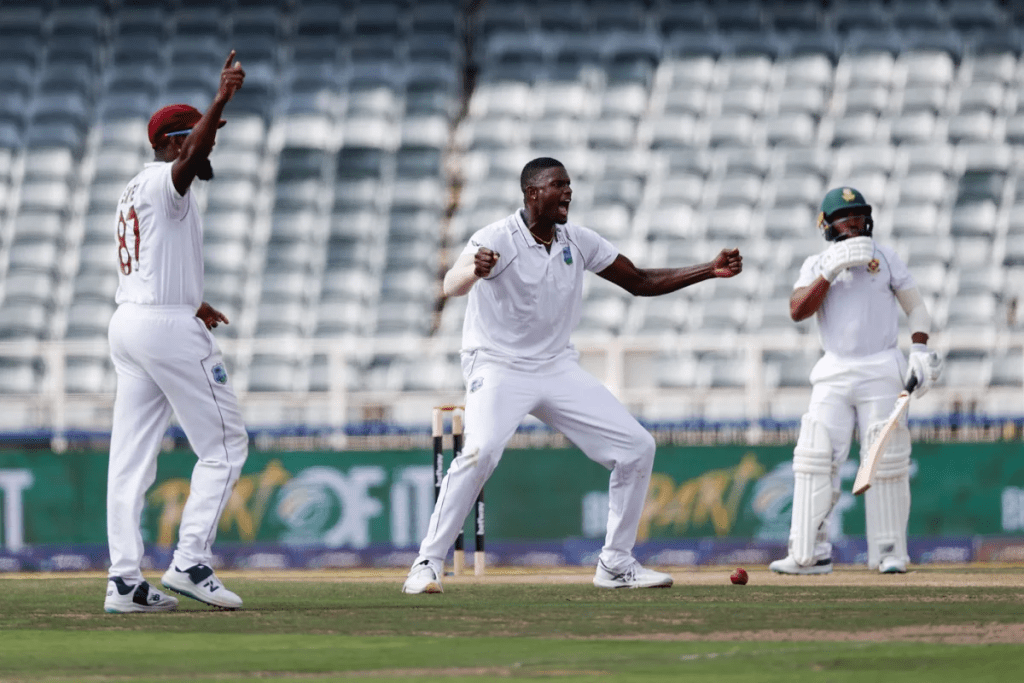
<point>756,409</point>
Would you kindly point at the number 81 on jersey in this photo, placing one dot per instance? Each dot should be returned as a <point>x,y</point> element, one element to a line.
<point>124,254</point>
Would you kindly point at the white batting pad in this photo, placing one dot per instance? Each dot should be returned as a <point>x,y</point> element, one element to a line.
<point>887,502</point>
<point>813,495</point>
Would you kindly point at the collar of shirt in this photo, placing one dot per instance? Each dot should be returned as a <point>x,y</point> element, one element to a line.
<point>529,236</point>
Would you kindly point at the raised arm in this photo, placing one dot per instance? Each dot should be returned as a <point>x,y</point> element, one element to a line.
<point>658,281</point>
<point>199,143</point>
<point>467,270</point>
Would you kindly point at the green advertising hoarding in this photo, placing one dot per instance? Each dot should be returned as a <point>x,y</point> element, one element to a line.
<point>353,499</point>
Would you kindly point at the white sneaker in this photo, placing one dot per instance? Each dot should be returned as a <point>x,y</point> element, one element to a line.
<point>424,577</point>
<point>788,565</point>
<point>123,598</point>
<point>634,575</point>
<point>890,565</point>
<point>200,583</point>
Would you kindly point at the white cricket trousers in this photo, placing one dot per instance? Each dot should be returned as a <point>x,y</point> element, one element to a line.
<point>848,393</point>
<point>167,360</point>
<point>567,398</point>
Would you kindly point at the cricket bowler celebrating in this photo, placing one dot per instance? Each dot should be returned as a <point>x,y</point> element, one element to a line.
<point>166,359</point>
<point>854,288</point>
<point>524,277</point>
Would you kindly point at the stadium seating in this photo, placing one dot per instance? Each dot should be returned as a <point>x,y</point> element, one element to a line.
<point>372,138</point>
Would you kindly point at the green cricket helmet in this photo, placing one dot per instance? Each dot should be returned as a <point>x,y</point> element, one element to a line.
<point>839,203</point>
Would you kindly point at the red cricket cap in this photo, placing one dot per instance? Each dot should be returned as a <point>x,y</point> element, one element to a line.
<point>172,119</point>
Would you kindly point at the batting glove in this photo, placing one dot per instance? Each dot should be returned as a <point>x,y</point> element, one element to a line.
<point>925,366</point>
<point>856,251</point>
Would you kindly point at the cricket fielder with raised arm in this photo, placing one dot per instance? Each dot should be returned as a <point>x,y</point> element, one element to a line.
<point>524,278</point>
<point>855,289</point>
<point>167,360</point>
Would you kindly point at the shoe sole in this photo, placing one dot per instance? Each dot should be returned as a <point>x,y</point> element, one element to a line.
<point>432,588</point>
<point>111,610</point>
<point>615,586</point>
<point>187,594</point>
<point>821,567</point>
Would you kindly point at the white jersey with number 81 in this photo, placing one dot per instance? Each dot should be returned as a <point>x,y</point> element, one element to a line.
<point>159,239</point>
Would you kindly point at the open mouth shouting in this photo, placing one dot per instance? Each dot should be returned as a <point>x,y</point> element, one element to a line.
<point>563,209</point>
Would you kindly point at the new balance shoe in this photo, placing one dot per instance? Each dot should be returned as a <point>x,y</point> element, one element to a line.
<point>788,565</point>
<point>634,575</point>
<point>200,583</point>
<point>424,577</point>
<point>123,598</point>
<point>890,565</point>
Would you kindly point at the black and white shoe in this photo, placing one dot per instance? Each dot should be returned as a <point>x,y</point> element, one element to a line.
<point>123,598</point>
<point>200,583</point>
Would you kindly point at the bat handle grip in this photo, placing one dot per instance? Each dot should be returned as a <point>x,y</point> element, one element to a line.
<point>912,384</point>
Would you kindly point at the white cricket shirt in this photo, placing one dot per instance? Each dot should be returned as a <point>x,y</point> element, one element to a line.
<point>860,314</point>
<point>531,302</point>
<point>159,238</point>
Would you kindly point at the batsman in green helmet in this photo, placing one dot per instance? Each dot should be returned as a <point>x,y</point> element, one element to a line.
<point>855,288</point>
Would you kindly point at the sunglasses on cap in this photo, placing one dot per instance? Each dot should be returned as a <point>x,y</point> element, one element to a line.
<point>178,132</point>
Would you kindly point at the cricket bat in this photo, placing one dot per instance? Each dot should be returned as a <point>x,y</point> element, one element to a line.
<point>869,464</point>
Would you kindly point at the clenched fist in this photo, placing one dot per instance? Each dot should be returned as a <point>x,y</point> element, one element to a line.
<point>484,261</point>
<point>728,263</point>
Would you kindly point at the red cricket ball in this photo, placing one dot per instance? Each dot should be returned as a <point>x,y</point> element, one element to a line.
<point>739,576</point>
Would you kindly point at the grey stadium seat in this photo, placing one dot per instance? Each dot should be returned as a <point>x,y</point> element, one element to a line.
<point>89,319</point>
<point>18,376</point>
<point>272,372</point>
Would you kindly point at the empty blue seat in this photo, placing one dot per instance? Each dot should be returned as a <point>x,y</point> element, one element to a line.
<point>934,40</point>
<point>816,42</point>
<point>130,50</point>
<point>695,43</point>
<point>256,22</point>
<point>24,20</point>
<point>384,20</point>
<point>970,15</point>
<point>140,22</point>
<point>796,17</point>
<point>59,134</point>
<point>691,17</point>
<point>866,16</point>
<point>74,50</point>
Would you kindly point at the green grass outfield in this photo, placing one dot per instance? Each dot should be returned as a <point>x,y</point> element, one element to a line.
<point>961,623</point>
